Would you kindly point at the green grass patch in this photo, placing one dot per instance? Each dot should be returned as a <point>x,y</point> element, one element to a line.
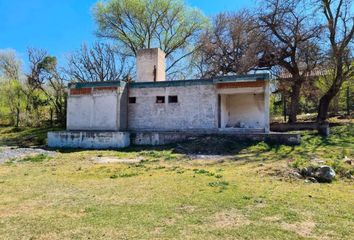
<point>218,184</point>
<point>35,159</point>
<point>169,196</point>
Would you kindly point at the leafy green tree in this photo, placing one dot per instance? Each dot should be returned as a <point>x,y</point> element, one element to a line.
<point>45,85</point>
<point>136,24</point>
<point>12,101</point>
<point>11,91</point>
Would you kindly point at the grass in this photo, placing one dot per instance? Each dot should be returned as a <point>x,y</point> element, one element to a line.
<point>24,137</point>
<point>169,196</point>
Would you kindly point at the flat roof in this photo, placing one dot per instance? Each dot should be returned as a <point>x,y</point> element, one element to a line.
<point>177,83</point>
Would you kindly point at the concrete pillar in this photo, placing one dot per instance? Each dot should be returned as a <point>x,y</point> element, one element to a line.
<point>224,110</point>
<point>266,107</point>
<point>150,64</point>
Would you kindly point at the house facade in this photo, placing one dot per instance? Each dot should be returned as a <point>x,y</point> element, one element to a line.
<point>152,104</point>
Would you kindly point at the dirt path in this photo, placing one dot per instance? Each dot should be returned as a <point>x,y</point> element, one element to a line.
<point>7,153</point>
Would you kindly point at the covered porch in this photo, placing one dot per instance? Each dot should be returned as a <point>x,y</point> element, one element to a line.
<point>243,107</point>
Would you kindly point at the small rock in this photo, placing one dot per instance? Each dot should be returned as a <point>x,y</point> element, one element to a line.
<point>312,179</point>
<point>307,171</point>
<point>348,160</point>
<point>295,174</point>
<point>324,174</point>
<point>349,176</point>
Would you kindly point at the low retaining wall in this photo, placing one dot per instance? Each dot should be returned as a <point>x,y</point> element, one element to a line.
<point>163,138</point>
<point>115,140</point>
<point>88,139</point>
<point>323,129</point>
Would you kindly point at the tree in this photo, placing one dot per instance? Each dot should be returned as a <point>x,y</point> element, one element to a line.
<point>97,64</point>
<point>232,45</point>
<point>11,91</point>
<point>292,35</point>
<point>138,24</point>
<point>46,86</point>
<point>340,28</point>
<point>12,101</point>
<point>10,65</point>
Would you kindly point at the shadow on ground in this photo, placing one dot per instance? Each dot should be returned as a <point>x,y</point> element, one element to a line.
<point>210,145</point>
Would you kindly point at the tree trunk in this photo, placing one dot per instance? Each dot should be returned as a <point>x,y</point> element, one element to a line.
<point>323,107</point>
<point>348,100</point>
<point>284,108</point>
<point>325,101</point>
<point>51,117</point>
<point>17,116</point>
<point>294,101</point>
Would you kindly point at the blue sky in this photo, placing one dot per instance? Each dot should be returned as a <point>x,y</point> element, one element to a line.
<point>61,26</point>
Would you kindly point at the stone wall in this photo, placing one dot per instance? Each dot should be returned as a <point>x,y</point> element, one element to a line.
<point>197,108</point>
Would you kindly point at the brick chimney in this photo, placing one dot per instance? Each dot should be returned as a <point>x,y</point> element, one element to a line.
<point>150,65</point>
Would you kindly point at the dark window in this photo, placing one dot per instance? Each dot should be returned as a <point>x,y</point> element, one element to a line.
<point>160,99</point>
<point>132,100</point>
<point>172,99</point>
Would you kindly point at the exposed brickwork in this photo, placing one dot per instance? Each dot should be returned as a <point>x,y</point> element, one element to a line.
<point>88,91</point>
<point>81,91</point>
<point>105,88</point>
<point>241,84</point>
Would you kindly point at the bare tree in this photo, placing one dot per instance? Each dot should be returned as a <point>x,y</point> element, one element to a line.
<point>340,28</point>
<point>98,63</point>
<point>292,34</point>
<point>231,46</point>
<point>10,65</point>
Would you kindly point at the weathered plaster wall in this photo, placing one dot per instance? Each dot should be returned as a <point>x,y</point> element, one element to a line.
<point>96,111</point>
<point>246,110</point>
<point>123,109</point>
<point>197,108</point>
<point>105,108</point>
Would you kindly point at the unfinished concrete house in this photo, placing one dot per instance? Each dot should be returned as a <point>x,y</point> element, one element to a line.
<point>154,111</point>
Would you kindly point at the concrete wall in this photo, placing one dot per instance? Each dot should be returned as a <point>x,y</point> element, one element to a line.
<point>162,138</point>
<point>88,140</point>
<point>243,111</point>
<point>148,60</point>
<point>245,107</point>
<point>123,109</point>
<point>197,108</point>
<point>96,111</point>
